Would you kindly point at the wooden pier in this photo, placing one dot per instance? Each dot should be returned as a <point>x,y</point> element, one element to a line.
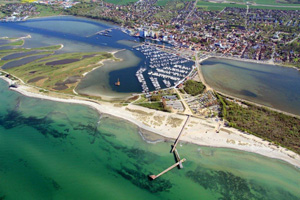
<point>152,177</point>
<point>177,158</point>
<point>176,155</point>
<point>177,140</point>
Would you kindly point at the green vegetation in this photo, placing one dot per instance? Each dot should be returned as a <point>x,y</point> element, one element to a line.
<point>279,128</point>
<point>165,2</point>
<point>2,62</point>
<point>223,114</point>
<point>193,87</point>
<point>217,6</point>
<point>59,72</point>
<point>27,1</point>
<point>19,50</point>
<point>155,105</point>
<point>275,2</point>
<point>15,43</point>
<point>242,4</point>
<point>91,10</point>
<point>120,2</point>
<point>274,8</point>
<point>47,10</point>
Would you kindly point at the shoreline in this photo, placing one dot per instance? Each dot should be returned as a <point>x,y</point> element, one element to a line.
<point>255,61</point>
<point>100,64</point>
<point>227,138</point>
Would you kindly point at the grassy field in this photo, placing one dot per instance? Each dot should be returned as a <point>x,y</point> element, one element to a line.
<point>272,2</point>
<point>217,6</point>
<point>221,6</point>
<point>120,2</point>
<point>156,105</point>
<point>40,51</point>
<point>275,8</point>
<point>58,72</point>
<point>164,2</point>
<point>27,1</point>
<point>15,43</point>
<point>47,10</point>
<point>19,50</point>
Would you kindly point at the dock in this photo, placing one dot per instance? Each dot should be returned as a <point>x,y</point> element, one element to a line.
<point>152,177</point>
<point>177,140</point>
<point>102,32</point>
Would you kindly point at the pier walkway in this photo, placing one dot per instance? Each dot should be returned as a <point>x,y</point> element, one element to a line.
<point>152,177</point>
<point>177,140</point>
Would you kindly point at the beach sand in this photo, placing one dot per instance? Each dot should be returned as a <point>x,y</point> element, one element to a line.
<point>198,131</point>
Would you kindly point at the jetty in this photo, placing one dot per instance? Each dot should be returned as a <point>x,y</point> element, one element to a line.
<point>177,158</point>
<point>177,140</point>
<point>176,155</point>
<point>103,32</point>
<point>152,177</point>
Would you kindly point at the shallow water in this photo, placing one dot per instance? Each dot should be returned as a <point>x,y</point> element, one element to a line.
<point>51,150</point>
<point>274,86</point>
<point>23,61</point>
<point>18,55</point>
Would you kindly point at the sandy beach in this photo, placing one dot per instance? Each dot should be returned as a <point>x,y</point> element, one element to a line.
<point>198,131</point>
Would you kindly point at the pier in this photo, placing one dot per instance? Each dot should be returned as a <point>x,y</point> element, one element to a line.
<point>152,177</point>
<point>177,158</point>
<point>103,32</point>
<point>177,140</point>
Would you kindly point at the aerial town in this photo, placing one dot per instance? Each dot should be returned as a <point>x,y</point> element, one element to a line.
<point>258,34</point>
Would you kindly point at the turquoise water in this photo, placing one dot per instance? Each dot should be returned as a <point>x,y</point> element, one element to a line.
<point>274,86</point>
<point>51,150</point>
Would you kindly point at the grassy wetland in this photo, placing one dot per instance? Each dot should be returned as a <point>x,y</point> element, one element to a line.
<point>56,72</point>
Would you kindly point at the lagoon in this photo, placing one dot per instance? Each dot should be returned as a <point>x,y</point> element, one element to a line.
<point>274,86</point>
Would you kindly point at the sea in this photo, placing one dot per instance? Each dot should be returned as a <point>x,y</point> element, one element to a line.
<point>53,150</point>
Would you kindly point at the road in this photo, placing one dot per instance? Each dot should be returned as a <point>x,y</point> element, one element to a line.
<point>191,10</point>
<point>198,67</point>
<point>187,108</point>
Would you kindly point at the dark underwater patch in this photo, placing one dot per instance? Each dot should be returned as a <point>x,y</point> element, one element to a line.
<point>55,185</point>
<point>233,187</point>
<point>248,93</point>
<point>43,125</point>
<point>140,179</point>
<point>225,183</point>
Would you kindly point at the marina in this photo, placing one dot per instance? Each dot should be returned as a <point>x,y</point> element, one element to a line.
<point>164,69</point>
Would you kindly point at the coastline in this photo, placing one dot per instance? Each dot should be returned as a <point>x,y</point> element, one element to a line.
<point>198,131</point>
